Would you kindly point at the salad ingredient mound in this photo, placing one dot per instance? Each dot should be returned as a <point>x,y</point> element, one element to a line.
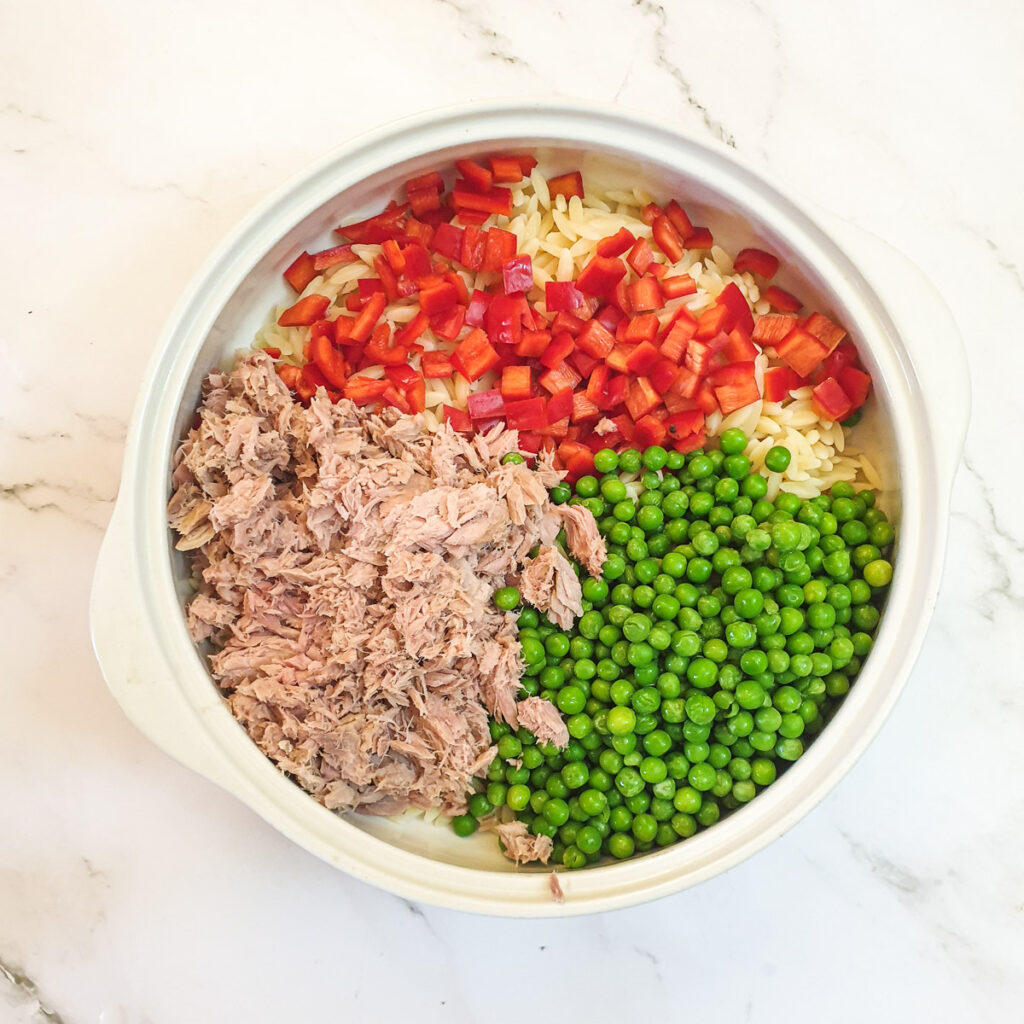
<point>345,563</point>
<point>720,638</point>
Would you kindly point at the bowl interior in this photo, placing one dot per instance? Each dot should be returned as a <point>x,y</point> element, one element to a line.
<point>714,192</point>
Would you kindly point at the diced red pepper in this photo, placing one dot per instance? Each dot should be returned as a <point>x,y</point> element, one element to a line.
<point>827,332</point>
<point>363,390</point>
<point>436,365</point>
<point>533,344</point>
<point>332,257</point>
<point>388,278</point>
<point>477,308</point>
<point>699,353</point>
<point>494,200</point>
<point>305,312</point>
<point>680,221</point>
<point>663,374</point>
<point>734,386</point>
<point>705,398</point>
<point>645,295</point>
<point>529,414</point>
<point>582,363</point>
<point>448,240</point>
<point>700,238</point>
<point>643,359</point>
<point>667,238</point>
<point>423,200</point>
<point>329,360</point>
<point>387,224</point>
<point>682,391</point>
<point>779,299</point>
<point>472,217</point>
<point>486,405</point>
<point>830,401</point>
<point>410,383</point>
<point>567,185</point>
<point>681,424</point>
<point>712,322</point>
<point>615,391</point>
<point>772,328</point>
<point>568,323</point>
<point>438,298</point>
<point>618,358</point>
<point>600,275</point>
<point>555,428</point>
<point>382,349</point>
<point>778,382</point>
<point>739,309</point>
<point>563,295</point>
<point>595,340</point>
<point>756,261</point>
<point>641,398</point>
<point>560,405</point>
<point>640,257</point>
<point>448,324</point>
<point>500,247</point>
<point>609,317</point>
<point>739,348</point>
<point>844,354</point>
<point>457,419</point>
<point>474,241</point>
<point>432,180</point>
<point>678,338</point>
<point>649,431</point>
<point>597,383</point>
<point>801,350</point>
<point>558,349</point>
<point>475,355</point>
<point>530,441</point>
<point>273,351</point>
<point>289,374</point>
<point>507,170</point>
<point>516,382</point>
<point>856,383</point>
<point>617,244</point>
<point>363,325</point>
<point>560,377</point>
<point>479,178</point>
<point>641,329</point>
<point>300,272</point>
<point>417,260</point>
<point>503,319</point>
<point>393,254</point>
<point>517,274</point>
<point>676,286</point>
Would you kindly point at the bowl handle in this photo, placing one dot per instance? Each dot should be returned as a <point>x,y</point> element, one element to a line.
<point>928,329</point>
<point>135,668</point>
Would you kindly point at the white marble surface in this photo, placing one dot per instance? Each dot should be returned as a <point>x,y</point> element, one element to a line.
<point>132,135</point>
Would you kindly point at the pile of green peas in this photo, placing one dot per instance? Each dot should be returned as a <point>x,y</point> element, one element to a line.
<point>720,638</point>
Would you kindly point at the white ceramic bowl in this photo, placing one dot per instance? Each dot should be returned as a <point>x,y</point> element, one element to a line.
<point>906,337</point>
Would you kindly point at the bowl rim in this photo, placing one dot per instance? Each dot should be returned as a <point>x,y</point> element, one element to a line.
<point>238,764</point>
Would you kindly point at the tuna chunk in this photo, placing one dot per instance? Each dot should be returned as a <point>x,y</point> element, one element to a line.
<point>520,846</point>
<point>346,563</point>
<point>586,544</point>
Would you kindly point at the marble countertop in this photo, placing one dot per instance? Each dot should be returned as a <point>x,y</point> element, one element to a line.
<point>132,136</point>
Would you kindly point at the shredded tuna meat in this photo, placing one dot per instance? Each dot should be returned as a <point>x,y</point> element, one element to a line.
<point>542,718</point>
<point>344,563</point>
<point>520,846</point>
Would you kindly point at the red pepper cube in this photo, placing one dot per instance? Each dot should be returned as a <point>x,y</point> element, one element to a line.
<point>558,350</point>
<point>856,383</point>
<point>734,386</point>
<point>783,301</point>
<point>677,286</point>
<point>778,382</point>
<point>642,328</point>
<point>474,242</point>
<point>562,295</point>
<point>645,295</point>
<point>610,317</point>
<point>828,333</point>
<point>479,178</point>
<point>650,213</point>
<point>568,323</point>
<point>617,244</point>
<point>424,200</point>
<point>327,258</point>
<point>680,221</point>
<point>615,391</point>
<point>567,185</point>
<point>431,180</point>
<point>595,340</point>
<point>533,344</point>
<point>475,355</point>
<point>642,359</point>
<point>663,375</point>
<point>700,238</point>
<point>500,247</point>
<point>739,309</point>
<point>560,405</point>
<point>517,274</point>
<point>506,170</point>
<point>417,261</point>
<point>682,391</point>
<point>560,377</point>
<point>458,419</point>
<point>529,414</point>
<point>830,401</point>
<point>641,398</point>
<point>772,328</point>
<point>486,405</point>
<point>408,334</point>
<point>755,261</point>
<point>801,350</point>
<point>600,275</point>
<point>618,358</point>
<point>329,360</point>
<point>300,272</point>
<point>843,355</point>
<point>667,238</point>
<point>477,308</point>
<point>649,431</point>
<point>438,299</point>
<point>494,200</point>
<point>582,363</point>
<point>677,340</point>
<point>448,240</point>
<point>583,408</point>
<point>712,322</point>
<point>640,257</point>
<point>363,390</point>
<point>738,349</point>
<point>681,424</point>
<point>503,319</point>
<point>436,365</point>
<point>516,382</point>
<point>597,383</point>
<point>448,325</point>
<point>305,312</point>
